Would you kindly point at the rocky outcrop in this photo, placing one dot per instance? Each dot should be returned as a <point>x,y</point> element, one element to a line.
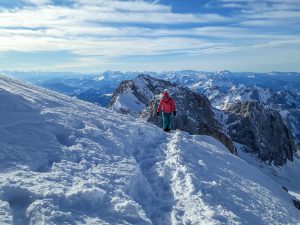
<point>262,131</point>
<point>296,203</point>
<point>286,102</point>
<point>194,112</point>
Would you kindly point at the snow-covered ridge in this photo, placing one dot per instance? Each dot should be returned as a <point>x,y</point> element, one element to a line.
<point>241,93</point>
<point>64,161</point>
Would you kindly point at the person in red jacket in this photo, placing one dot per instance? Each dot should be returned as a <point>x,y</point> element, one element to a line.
<point>168,108</point>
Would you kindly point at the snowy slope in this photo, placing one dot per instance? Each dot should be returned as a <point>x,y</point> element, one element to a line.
<point>133,96</point>
<point>127,102</point>
<point>64,161</point>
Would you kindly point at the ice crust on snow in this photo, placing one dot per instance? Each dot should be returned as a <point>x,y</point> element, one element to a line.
<point>64,161</point>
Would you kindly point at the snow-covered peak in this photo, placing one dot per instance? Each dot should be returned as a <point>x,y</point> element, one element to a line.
<point>254,93</point>
<point>241,93</point>
<point>223,72</point>
<point>100,77</point>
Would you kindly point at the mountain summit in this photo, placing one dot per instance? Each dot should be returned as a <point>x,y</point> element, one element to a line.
<point>65,161</point>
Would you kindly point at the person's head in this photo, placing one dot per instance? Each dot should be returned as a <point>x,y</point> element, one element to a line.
<point>165,94</point>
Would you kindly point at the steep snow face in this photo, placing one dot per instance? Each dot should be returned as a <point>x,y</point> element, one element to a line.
<point>127,102</point>
<point>142,83</point>
<point>64,161</point>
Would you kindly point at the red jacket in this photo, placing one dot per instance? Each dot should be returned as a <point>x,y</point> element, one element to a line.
<point>166,104</point>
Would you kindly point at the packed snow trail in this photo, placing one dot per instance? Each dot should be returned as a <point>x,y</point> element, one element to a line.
<point>64,161</point>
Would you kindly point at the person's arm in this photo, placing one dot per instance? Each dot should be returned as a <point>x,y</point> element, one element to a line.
<point>159,107</point>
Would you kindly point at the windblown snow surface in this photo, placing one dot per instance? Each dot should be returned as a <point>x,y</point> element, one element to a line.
<point>64,161</point>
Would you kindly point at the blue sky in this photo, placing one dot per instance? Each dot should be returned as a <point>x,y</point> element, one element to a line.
<point>156,35</point>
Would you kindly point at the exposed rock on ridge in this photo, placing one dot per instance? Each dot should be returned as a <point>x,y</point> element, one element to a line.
<point>262,130</point>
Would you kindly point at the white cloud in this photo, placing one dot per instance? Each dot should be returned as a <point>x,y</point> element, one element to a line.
<point>37,2</point>
<point>271,9</point>
<point>108,47</point>
<point>89,14</point>
<point>105,29</point>
<point>131,6</point>
<point>100,27</point>
<point>274,44</point>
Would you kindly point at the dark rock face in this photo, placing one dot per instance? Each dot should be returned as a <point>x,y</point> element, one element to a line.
<point>194,112</point>
<point>286,102</point>
<point>292,120</point>
<point>262,130</point>
<point>297,204</point>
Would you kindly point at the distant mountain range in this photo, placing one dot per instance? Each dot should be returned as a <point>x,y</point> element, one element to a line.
<point>98,88</point>
<point>227,91</point>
